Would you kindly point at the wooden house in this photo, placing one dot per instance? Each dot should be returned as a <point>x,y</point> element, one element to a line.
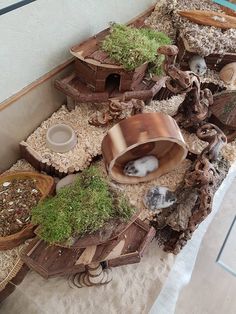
<point>98,78</point>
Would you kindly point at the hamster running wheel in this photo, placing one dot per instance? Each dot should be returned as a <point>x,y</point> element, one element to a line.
<point>142,135</point>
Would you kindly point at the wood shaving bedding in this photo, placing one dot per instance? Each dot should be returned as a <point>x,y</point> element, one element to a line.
<point>21,165</point>
<point>169,106</point>
<point>89,138</point>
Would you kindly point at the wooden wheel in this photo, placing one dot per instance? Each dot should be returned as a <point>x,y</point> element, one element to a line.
<point>143,134</point>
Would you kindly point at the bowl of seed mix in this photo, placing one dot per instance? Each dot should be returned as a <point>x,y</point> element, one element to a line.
<point>19,193</point>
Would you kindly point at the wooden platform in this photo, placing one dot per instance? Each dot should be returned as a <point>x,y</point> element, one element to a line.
<point>73,87</point>
<point>51,261</point>
<point>29,154</point>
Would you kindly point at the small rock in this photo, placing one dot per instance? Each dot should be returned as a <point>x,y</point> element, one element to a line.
<point>159,197</point>
<point>68,180</point>
<point>6,184</point>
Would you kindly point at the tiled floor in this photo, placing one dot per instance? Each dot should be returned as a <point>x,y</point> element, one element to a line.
<point>212,289</point>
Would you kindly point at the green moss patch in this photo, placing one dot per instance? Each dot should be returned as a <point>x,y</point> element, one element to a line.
<point>132,47</point>
<point>81,208</point>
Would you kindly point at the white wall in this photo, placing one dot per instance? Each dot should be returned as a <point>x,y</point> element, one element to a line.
<point>37,37</point>
<point>23,116</point>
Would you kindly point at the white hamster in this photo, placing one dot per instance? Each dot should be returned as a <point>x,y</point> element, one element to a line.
<point>198,65</point>
<point>141,167</point>
<point>159,197</point>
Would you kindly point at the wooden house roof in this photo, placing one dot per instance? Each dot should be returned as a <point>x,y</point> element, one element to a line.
<point>90,52</point>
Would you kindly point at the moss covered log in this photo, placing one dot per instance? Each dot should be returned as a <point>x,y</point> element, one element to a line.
<point>132,47</point>
<point>81,208</point>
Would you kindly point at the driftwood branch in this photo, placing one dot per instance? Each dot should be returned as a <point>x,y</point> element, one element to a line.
<point>176,224</point>
<point>115,111</point>
<point>195,107</point>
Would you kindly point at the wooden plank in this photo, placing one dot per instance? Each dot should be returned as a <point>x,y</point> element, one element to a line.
<point>116,251</point>
<point>103,250</point>
<point>7,291</point>
<point>20,275</point>
<point>148,239</point>
<point>51,260</point>
<point>103,73</point>
<point>124,260</point>
<point>85,48</point>
<point>29,154</point>
<point>87,256</point>
<point>210,18</point>
<point>125,85</point>
<point>81,93</point>
<point>86,73</point>
<point>138,76</point>
<point>99,55</point>
<point>110,61</point>
<point>100,85</point>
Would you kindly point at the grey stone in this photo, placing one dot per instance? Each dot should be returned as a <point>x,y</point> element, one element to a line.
<point>68,180</point>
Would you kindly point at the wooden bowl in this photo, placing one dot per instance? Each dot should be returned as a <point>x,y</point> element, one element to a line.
<point>141,135</point>
<point>45,184</point>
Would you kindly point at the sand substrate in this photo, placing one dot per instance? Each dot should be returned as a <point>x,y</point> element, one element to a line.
<point>203,40</point>
<point>134,289</point>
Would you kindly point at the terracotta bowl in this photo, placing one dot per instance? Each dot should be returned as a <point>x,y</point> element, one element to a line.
<point>141,135</point>
<point>46,186</point>
<point>61,138</point>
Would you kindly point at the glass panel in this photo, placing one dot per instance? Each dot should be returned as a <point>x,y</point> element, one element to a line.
<point>10,5</point>
<point>6,3</point>
<point>227,255</point>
